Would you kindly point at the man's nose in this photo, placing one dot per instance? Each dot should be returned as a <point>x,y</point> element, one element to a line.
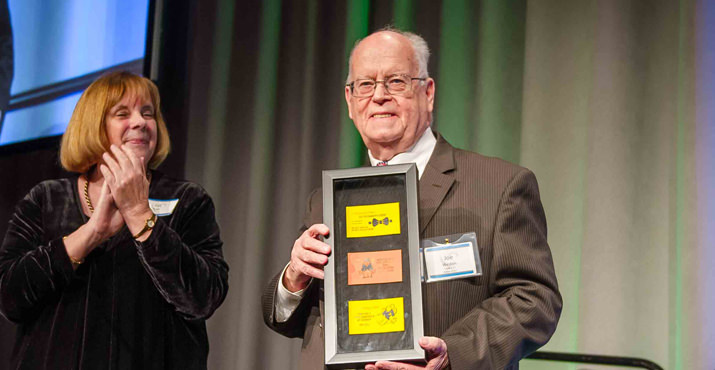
<point>380,93</point>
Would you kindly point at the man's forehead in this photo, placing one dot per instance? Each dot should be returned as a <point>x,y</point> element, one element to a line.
<point>384,42</point>
<point>384,36</point>
<point>384,50</point>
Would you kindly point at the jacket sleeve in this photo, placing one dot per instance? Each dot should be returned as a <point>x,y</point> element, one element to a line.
<point>296,323</point>
<point>294,327</point>
<point>526,304</point>
<point>186,262</point>
<point>32,269</point>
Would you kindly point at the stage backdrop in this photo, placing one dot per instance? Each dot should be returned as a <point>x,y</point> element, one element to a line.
<point>610,103</point>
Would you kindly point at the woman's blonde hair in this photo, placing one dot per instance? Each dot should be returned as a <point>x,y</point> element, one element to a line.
<point>85,139</point>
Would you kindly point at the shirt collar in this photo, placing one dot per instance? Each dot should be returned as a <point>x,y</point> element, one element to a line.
<point>418,153</point>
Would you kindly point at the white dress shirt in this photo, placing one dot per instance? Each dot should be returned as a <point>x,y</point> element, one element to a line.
<point>418,154</point>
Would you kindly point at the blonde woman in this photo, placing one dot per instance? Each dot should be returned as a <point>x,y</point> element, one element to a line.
<point>116,266</point>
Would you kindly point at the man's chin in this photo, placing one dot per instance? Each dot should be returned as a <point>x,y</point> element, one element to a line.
<point>384,137</point>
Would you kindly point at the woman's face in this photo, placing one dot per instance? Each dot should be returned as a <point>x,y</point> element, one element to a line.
<point>132,122</point>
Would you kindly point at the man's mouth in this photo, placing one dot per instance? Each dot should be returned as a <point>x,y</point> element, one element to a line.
<point>382,115</point>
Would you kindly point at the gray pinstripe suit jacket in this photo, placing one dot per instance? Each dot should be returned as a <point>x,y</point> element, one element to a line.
<point>488,322</point>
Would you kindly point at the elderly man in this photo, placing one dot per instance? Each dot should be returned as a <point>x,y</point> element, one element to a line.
<point>485,322</point>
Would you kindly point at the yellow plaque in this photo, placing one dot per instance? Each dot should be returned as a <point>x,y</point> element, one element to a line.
<point>373,220</point>
<point>376,316</point>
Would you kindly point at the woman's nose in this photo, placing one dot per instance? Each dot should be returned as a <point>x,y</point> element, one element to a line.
<point>138,120</point>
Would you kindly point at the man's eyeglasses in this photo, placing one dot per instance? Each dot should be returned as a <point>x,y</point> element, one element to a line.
<point>395,85</point>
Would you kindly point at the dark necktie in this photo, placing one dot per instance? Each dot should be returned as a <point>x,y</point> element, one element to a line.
<point>381,163</point>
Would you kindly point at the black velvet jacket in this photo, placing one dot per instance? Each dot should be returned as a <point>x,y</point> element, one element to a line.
<point>130,305</point>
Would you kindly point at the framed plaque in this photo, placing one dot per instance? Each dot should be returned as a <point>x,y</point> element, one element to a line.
<point>373,294</point>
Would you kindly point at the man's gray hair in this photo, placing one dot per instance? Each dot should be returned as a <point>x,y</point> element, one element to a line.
<point>419,45</point>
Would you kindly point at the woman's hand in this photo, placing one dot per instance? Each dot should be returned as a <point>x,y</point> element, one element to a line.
<point>104,222</point>
<point>106,219</point>
<point>125,175</point>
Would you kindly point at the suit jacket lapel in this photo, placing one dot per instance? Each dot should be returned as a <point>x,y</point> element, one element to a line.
<point>435,183</point>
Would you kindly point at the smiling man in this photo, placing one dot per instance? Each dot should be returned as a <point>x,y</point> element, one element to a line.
<point>390,98</point>
<point>485,322</point>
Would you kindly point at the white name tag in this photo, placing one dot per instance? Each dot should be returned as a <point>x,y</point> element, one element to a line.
<point>450,261</point>
<point>163,207</point>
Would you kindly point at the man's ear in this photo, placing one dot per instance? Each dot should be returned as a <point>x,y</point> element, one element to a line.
<point>347,100</point>
<point>429,91</point>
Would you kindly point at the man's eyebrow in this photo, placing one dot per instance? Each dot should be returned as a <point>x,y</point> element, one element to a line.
<point>391,74</point>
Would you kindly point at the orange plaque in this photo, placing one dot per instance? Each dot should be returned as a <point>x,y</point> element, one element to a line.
<point>375,267</point>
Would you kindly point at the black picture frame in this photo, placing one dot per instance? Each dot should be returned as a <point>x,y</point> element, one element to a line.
<point>372,186</point>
